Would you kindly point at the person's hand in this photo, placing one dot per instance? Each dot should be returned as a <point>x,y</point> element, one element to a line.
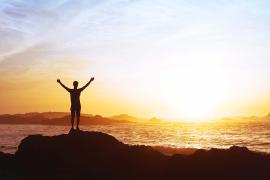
<point>58,80</point>
<point>92,79</point>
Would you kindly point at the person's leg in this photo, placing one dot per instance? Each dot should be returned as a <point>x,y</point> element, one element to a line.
<point>72,118</point>
<point>78,114</point>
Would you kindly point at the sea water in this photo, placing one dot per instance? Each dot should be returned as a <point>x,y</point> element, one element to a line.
<point>206,135</point>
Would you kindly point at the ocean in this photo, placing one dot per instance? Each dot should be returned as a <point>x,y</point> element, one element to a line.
<point>206,135</point>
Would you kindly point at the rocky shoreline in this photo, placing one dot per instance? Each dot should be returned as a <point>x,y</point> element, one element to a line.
<point>95,155</point>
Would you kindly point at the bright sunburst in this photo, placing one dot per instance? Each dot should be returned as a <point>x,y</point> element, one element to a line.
<point>171,59</point>
<point>196,93</point>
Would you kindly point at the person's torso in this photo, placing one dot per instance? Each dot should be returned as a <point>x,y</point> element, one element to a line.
<point>75,97</point>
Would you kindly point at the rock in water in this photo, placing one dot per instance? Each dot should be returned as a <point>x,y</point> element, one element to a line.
<point>93,155</point>
<point>82,155</point>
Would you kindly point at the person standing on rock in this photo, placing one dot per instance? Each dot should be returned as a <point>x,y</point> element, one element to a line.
<point>75,100</point>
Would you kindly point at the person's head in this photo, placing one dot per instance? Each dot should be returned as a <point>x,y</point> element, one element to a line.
<point>75,84</point>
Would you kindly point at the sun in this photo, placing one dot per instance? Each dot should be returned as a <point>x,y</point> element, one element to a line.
<point>196,93</point>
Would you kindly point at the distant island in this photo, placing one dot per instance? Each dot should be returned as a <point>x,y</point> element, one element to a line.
<point>98,156</point>
<point>56,118</point>
<point>63,118</point>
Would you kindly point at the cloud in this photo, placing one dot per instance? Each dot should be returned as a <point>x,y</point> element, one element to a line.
<point>114,32</point>
<point>132,40</point>
<point>21,62</point>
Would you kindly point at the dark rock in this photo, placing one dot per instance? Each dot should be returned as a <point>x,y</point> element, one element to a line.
<point>94,155</point>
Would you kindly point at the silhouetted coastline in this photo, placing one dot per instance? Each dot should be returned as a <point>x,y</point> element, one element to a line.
<point>95,155</point>
<point>61,119</point>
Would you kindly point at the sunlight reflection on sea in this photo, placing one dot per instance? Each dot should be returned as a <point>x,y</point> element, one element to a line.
<point>255,135</point>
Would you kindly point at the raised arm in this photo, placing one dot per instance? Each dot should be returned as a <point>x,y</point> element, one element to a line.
<point>87,84</point>
<point>58,80</point>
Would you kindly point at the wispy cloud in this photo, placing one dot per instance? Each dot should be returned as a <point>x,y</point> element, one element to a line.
<point>137,38</point>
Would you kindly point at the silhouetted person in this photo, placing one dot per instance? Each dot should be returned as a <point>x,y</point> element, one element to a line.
<point>75,100</point>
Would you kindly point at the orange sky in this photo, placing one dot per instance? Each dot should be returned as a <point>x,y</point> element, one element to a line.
<point>190,61</point>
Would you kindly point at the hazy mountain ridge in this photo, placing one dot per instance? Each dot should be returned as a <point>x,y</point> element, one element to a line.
<point>54,118</point>
<point>63,118</point>
<point>125,117</point>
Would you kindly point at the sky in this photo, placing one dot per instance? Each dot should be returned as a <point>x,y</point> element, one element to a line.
<point>168,59</point>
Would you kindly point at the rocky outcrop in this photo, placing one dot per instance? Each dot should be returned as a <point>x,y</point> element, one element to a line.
<point>94,155</point>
